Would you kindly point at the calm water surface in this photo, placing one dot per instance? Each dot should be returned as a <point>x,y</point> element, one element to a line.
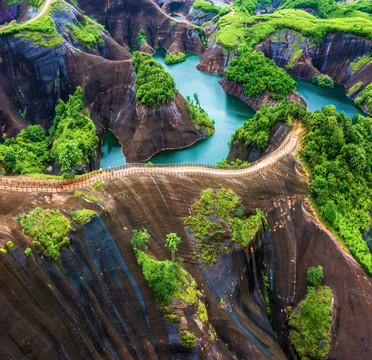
<point>227,111</point>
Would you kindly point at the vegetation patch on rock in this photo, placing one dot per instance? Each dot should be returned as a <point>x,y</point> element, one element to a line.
<point>323,81</point>
<point>257,130</point>
<point>311,322</point>
<point>198,115</point>
<point>218,220</point>
<point>82,216</point>
<point>86,34</point>
<point>174,58</point>
<point>48,228</point>
<point>154,86</point>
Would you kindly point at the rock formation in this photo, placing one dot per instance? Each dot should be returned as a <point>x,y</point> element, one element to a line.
<point>95,303</point>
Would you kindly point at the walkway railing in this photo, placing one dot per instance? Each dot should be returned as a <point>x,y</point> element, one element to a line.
<point>206,170</point>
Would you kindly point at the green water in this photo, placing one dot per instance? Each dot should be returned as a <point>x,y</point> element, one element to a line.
<point>227,111</point>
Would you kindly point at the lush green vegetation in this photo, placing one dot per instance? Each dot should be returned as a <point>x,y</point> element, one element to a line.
<point>355,87</point>
<point>28,251</point>
<point>169,280</point>
<point>260,75</point>
<point>365,99</point>
<point>257,130</point>
<point>27,153</point>
<point>48,228</point>
<point>247,31</point>
<point>73,133</point>
<point>323,81</point>
<point>154,86</point>
<point>199,116</point>
<point>36,3</point>
<point>224,164</point>
<point>265,283</point>
<point>206,7</point>
<point>86,34</point>
<point>363,61</point>
<point>141,37</point>
<point>174,58</point>
<point>315,275</point>
<point>9,245</point>
<point>92,198</point>
<point>187,339</point>
<point>40,32</point>
<point>338,154</point>
<point>82,216</point>
<point>225,208</point>
<point>310,323</point>
<point>329,8</point>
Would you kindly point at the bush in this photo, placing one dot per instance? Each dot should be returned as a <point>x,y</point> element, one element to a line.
<point>86,34</point>
<point>174,58</point>
<point>92,198</point>
<point>365,99</point>
<point>82,216</point>
<point>323,81</point>
<point>48,228</point>
<point>9,245</point>
<point>225,208</point>
<point>28,251</point>
<point>154,86</point>
<point>198,115</point>
<point>330,211</point>
<point>310,335</point>
<point>315,275</point>
<point>78,194</point>
<point>187,339</point>
<point>141,37</point>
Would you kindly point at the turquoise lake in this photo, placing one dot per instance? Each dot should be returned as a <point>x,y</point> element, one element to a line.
<point>227,111</point>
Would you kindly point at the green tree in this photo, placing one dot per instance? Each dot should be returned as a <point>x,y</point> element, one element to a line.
<point>330,211</point>
<point>9,162</point>
<point>140,239</point>
<point>69,158</point>
<point>315,275</point>
<point>172,242</point>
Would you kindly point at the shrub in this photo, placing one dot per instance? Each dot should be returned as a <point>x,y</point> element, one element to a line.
<point>187,339</point>
<point>82,216</point>
<point>78,194</point>
<point>9,245</point>
<point>98,184</point>
<point>323,81</point>
<point>92,198</point>
<point>154,86</point>
<point>48,228</point>
<point>174,58</point>
<point>141,37</point>
<point>330,211</point>
<point>86,34</point>
<point>310,335</point>
<point>365,99</point>
<point>28,251</point>
<point>198,115</point>
<point>315,275</point>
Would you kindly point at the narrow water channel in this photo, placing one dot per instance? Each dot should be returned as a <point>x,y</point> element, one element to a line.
<point>227,111</point>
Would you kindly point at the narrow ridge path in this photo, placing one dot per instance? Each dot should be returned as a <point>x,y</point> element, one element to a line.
<point>43,10</point>
<point>288,147</point>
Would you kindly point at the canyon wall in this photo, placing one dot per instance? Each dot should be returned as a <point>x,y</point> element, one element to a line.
<point>95,303</point>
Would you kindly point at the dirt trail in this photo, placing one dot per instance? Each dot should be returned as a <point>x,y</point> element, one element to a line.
<point>43,10</point>
<point>288,147</point>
